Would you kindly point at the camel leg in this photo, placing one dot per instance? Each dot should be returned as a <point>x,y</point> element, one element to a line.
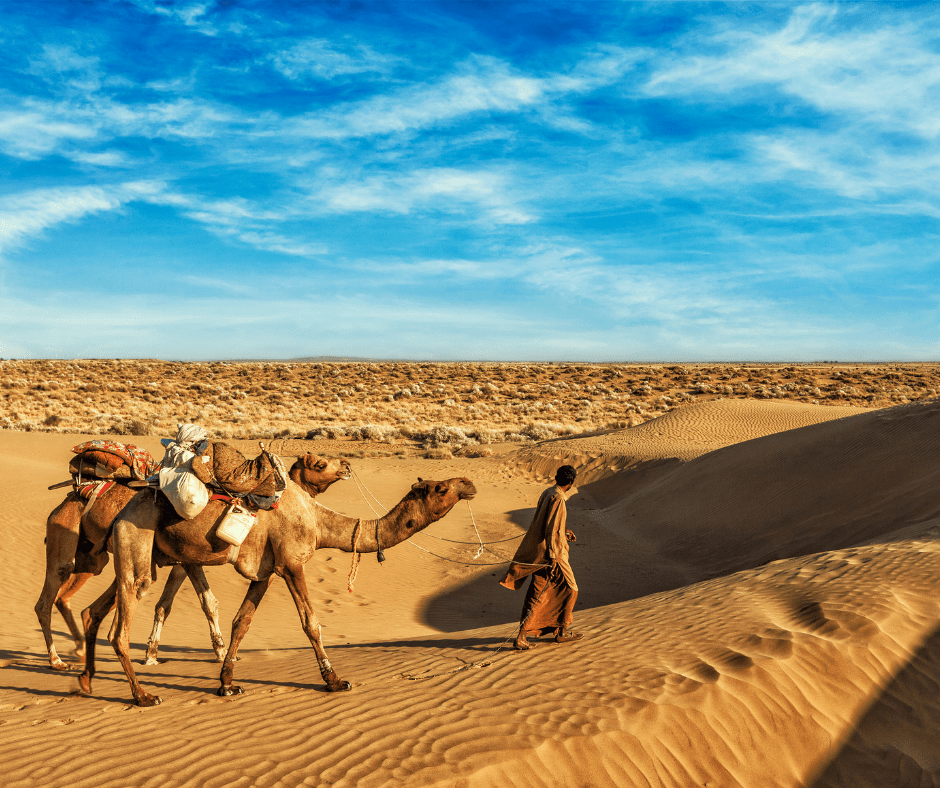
<point>210,606</point>
<point>68,590</point>
<point>133,548</point>
<point>59,593</point>
<point>240,626</point>
<point>162,610</point>
<point>92,616</point>
<point>297,585</point>
<point>61,543</point>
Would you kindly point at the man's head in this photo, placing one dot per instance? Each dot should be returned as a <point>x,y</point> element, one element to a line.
<point>565,475</point>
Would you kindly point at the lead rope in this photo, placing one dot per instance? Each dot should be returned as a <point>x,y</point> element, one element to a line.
<point>365,490</point>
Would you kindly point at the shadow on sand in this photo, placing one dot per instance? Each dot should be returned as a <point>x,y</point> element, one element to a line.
<point>895,740</point>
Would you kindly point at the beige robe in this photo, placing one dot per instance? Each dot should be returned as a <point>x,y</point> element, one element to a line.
<point>545,542</point>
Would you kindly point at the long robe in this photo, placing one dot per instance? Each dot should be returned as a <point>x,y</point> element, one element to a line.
<point>543,555</point>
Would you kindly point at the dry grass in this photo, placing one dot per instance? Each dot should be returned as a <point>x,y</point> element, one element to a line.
<point>439,408</point>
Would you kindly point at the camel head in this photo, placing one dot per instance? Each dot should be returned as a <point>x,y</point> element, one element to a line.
<point>315,474</point>
<point>438,498</point>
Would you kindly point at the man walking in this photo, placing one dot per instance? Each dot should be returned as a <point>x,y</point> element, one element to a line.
<point>543,554</point>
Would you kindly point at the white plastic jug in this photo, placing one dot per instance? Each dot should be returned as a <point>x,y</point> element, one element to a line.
<point>236,524</point>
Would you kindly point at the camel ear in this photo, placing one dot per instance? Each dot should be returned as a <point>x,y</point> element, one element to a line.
<point>310,460</point>
<point>420,479</point>
<point>420,486</point>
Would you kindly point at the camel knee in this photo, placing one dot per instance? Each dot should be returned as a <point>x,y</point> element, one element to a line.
<point>65,571</point>
<point>141,586</point>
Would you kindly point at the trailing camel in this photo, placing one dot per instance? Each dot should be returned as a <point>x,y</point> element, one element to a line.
<point>148,532</point>
<point>70,565</point>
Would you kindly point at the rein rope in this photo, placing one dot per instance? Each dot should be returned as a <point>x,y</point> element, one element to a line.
<point>483,545</point>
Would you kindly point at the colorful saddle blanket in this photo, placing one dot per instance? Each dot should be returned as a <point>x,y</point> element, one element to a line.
<point>105,459</point>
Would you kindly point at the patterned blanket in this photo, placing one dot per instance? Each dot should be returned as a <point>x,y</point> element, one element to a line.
<point>107,459</point>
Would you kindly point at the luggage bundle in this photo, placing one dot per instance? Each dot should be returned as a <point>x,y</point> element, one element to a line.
<point>193,464</point>
<point>106,460</point>
<point>98,464</point>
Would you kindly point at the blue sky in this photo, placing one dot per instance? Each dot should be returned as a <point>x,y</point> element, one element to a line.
<point>496,181</point>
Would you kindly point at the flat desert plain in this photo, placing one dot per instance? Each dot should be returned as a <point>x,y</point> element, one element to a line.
<point>758,594</point>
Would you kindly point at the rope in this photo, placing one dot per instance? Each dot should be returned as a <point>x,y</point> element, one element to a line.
<point>457,541</point>
<point>363,489</point>
<point>354,569</point>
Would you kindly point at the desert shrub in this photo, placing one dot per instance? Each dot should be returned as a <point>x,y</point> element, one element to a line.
<point>476,451</point>
<point>447,436</point>
<point>140,427</point>
<point>52,420</point>
<point>330,431</point>
<point>538,431</point>
<point>486,435</point>
<point>438,453</point>
<point>373,432</point>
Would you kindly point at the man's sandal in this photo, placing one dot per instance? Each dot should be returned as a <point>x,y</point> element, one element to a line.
<point>568,637</point>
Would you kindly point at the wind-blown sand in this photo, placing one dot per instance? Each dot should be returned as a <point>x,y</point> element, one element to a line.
<point>758,594</point>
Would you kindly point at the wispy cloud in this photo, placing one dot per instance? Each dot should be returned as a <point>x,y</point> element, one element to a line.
<point>817,58</point>
<point>443,190</point>
<point>27,215</point>
<point>319,58</point>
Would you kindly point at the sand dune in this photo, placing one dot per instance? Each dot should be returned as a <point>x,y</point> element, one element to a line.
<point>763,614</point>
<point>683,433</point>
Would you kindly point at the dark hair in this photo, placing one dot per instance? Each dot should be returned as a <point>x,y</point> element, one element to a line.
<point>566,474</point>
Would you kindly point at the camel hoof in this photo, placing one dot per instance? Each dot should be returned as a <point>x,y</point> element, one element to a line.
<point>147,700</point>
<point>151,661</point>
<point>60,665</point>
<point>231,689</point>
<point>340,686</point>
<point>84,683</point>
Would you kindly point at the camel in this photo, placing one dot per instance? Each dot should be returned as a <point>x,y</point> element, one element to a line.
<point>68,568</point>
<point>315,475</point>
<point>148,532</point>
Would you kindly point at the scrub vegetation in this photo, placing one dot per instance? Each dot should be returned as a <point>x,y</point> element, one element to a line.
<point>443,407</point>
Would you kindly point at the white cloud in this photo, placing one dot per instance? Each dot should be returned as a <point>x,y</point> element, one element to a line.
<point>28,214</point>
<point>191,14</point>
<point>242,221</point>
<point>33,132</point>
<point>888,74</point>
<point>322,59</point>
<point>443,189</point>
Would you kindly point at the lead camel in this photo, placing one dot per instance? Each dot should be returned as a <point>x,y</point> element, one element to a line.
<point>148,532</point>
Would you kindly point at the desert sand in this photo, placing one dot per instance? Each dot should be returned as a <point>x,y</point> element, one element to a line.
<point>758,597</point>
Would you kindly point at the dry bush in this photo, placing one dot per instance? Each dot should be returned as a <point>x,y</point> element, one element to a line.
<point>449,405</point>
<point>476,451</point>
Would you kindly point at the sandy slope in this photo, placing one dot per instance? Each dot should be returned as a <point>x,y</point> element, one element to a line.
<point>684,433</point>
<point>817,662</point>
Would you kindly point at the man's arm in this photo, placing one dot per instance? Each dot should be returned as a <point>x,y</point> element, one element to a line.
<point>555,528</point>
